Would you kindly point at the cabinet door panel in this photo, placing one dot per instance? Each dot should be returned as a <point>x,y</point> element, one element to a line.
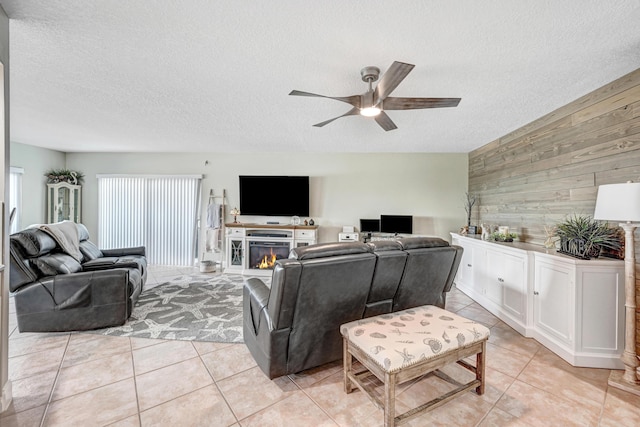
<point>495,276</point>
<point>552,300</point>
<point>514,289</point>
<point>598,293</point>
<point>465,271</point>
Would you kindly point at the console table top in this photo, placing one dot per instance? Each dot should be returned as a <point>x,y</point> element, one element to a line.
<point>530,247</point>
<point>273,226</point>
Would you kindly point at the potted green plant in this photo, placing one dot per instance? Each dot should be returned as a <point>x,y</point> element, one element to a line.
<point>583,237</point>
<point>502,237</point>
<point>55,176</point>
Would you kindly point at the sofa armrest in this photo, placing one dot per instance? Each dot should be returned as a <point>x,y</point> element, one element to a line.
<point>107,263</point>
<point>256,297</point>
<point>139,250</point>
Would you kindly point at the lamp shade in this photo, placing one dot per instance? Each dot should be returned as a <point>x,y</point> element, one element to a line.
<point>618,202</point>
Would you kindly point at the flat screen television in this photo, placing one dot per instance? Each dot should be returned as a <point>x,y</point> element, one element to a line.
<point>369,225</point>
<point>274,195</point>
<point>401,224</point>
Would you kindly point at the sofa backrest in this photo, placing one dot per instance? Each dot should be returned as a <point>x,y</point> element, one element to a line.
<point>332,283</point>
<point>429,271</point>
<point>24,247</point>
<point>390,264</point>
<point>35,254</point>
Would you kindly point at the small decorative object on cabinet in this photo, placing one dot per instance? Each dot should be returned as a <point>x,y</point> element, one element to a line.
<point>550,240</point>
<point>486,232</point>
<point>502,237</point>
<point>468,206</point>
<point>235,212</point>
<point>63,202</point>
<point>55,176</point>
<point>583,237</point>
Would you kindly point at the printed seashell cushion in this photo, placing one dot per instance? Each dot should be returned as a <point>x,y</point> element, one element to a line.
<point>400,339</point>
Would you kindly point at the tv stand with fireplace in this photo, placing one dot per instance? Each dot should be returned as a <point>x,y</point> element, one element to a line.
<point>254,248</point>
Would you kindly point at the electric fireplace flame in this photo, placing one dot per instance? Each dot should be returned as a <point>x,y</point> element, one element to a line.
<point>267,261</point>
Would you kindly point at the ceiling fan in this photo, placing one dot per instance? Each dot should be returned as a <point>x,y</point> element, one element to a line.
<point>374,102</point>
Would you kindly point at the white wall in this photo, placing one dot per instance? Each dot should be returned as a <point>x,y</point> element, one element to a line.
<point>35,161</point>
<point>343,187</point>
<point>5,383</point>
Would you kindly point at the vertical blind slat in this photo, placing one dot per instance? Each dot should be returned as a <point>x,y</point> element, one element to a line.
<point>158,213</point>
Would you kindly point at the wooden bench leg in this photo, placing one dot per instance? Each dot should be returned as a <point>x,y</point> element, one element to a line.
<point>348,365</point>
<point>480,368</point>
<point>389,399</point>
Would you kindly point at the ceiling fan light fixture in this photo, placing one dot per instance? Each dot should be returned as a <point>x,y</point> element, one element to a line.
<point>374,102</point>
<point>370,111</point>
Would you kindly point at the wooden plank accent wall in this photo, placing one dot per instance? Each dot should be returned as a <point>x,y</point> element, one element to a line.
<point>551,168</point>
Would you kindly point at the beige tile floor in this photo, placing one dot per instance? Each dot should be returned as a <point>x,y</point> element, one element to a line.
<point>77,379</point>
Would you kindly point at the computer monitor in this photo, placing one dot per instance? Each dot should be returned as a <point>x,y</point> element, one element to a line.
<point>399,224</point>
<point>369,225</point>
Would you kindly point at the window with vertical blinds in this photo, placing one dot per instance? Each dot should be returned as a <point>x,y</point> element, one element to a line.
<point>15,198</point>
<point>158,212</point>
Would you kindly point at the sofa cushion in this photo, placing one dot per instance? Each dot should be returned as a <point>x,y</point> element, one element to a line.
<point>324,250</point>
<point>422,242</point>
<point>385,245</point>
<point>57,263</point>
<point>105,263</point>
<point>89,250</point>
<point>83,233</point>
<point>33,242</point>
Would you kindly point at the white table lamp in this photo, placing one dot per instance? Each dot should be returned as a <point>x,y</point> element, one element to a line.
<point>621,202</point>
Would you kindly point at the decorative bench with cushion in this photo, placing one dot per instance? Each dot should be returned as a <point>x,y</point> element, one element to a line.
<point>401,346</point>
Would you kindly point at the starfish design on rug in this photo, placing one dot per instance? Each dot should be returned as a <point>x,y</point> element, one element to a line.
<point>194,308</point>
<point>141,312</point>
<point>119,330</point>
<point>229,333</point>
<point>212,320</point>
<point>203,308</point>
<point>156,329</point>
<point>168,296</point>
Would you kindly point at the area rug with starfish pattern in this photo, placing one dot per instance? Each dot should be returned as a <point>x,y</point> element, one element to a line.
<point>197,307</point>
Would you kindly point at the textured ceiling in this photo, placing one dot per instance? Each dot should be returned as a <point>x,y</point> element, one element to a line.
<point>204,75</point>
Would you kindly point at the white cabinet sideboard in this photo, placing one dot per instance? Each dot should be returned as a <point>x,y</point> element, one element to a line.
<point>573,307</point>
<point>495,276</point>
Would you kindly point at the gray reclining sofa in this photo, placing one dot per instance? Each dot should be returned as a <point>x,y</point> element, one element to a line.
<point>294,325</point>
<point>54,292</point>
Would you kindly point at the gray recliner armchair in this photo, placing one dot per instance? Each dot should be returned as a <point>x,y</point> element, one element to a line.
<point>294,325</point>
<point>55,292</point>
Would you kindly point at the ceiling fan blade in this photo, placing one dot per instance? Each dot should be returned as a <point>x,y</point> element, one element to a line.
<point>393,103</point>
<point>353,99</point>
<point>354,111</point>
<point>385,121</point>
<point>390,80</point>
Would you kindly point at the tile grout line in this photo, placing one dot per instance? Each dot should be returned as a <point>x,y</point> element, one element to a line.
<point>215,383</point>
<point>135,382</point>
<point>55,381</point>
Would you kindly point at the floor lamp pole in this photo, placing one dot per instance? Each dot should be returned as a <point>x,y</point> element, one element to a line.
<point>629,380</point>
